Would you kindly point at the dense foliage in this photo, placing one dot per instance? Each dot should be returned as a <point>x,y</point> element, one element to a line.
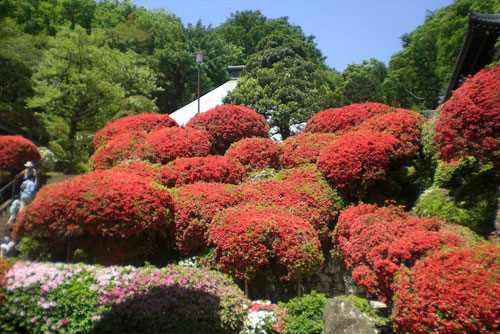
<point>469,122</point>
<point>43,297</point>
<point>112,216</point>
<point>15,151</point>
<point>404,125</point>
<point>165,145</point>
<point>142,122</point>
<point>355,161</point>
<point>255,154</point>
<point>207,169</point>
<point>302,192</point>
<point>195,206</point>
<point>375,242</point>
<point>304,148</point>
<point>146,171</point>
<point>455,291</point>
<point>229,123</point>
<point>305,314</point>
<point>248,237</point>
<point>116,150</point>
<point>338,120</point>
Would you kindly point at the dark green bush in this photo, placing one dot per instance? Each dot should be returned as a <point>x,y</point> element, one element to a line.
<point>305,314</point>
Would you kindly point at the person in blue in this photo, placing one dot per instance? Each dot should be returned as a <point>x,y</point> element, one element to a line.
<point>28,189</point>
<point>30,172</point>
<point>8,246</point>
<point>14,210</point>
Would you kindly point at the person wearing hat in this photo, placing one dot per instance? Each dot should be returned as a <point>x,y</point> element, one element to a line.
<point>30,172</point>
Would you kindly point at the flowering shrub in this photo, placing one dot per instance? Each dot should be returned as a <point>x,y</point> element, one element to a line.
<point>208,169</point>
<point>299,191</point>
<point>449,292</point>
<point>165,145</point>
<point>80,298</point>
<point>248,237</point>
<point>116,149</point>
<point>404,125</point>
<point>141,122</point>
<point>469,122</point>
<point>264,317</point>
<point>374,242</point>
<point>343,119</point>
<point>304,148</point>
<point>5,265</point>
<point>357,160</point>
<point>115,216</point>
<point>229,123</point>
<point>195,206</point>
<point>256,154</point>
<point>15,151</point>
<point>144,170</point>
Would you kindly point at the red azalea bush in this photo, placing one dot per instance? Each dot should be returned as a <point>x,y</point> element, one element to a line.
<point>117,149</point>
<point>5,265</point>
<point>300,192</point>
<point>404,125</point>
<point>113,215</point>
<point>195,206</point>
<point>256,154</point>
<point>248,237</point>
<point>357,160</point>
<point>141,122</point>
<point>344,119</point>
<point>451,292</point>
<point>375,242</point>
<point>229,123</point>
<point>15,151</point>
<point>207,169</point>
<point>304,148</point>
<point>165,145</point>
<point>469,122</point>
<point>144,170</point>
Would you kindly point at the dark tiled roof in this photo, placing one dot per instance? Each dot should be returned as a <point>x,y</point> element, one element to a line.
<point>477,50</point>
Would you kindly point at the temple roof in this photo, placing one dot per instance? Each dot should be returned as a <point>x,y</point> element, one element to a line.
<point>478,49</point>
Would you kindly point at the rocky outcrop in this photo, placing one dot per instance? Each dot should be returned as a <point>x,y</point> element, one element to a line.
<point>341,316</point>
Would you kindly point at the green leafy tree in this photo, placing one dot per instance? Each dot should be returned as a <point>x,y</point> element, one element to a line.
<point>282,84</point>
<point>362,82</point>
<point>80,86</point>
<point>420,73</point>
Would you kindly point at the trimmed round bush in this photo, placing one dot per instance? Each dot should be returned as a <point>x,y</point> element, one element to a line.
<point>165,145</point>
<point>229,123</point>
<point>338,120</point>
<point>404,125</point>
<point>117,149</point>
<point>375,242</point>
<point>219,169</point>
<point>469,122</point>
<point>141,122</point>
<point>15,151</point>
<point>144,170</point>
<point>255,154</point>
<point>195,206</point>
<point>356,161</point>
<point>115,217</point>
<point>304,148</point>
<point>248,237</point>
<point>301,192</point>
<point>81,298</point>
<point>450,292</point>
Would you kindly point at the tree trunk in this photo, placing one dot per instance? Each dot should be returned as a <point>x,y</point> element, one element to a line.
<point>246,287</point>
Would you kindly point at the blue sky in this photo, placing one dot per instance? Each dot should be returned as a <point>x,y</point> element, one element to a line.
<point>346,30</point>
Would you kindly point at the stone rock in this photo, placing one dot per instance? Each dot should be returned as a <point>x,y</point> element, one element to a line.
<point>342,317</point>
